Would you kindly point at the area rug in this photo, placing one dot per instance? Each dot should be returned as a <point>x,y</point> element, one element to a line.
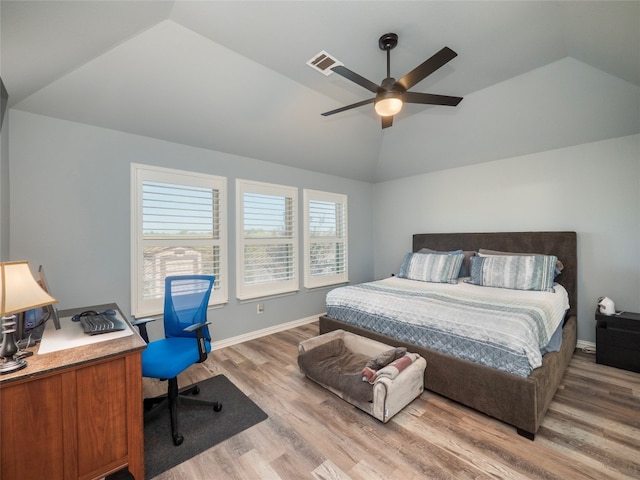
<point>201,427</point>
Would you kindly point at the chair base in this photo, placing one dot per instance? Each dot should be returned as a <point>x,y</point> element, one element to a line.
<point>175,397</point>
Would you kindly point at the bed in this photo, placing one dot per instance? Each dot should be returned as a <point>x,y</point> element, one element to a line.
<point>520,401</point>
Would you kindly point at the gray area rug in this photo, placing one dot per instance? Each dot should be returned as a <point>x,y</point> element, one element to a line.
<point>201,427</point>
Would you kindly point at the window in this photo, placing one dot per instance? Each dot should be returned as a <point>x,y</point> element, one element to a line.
<point>178,228</point>
<point>267,257</point>
<point>325,239</point>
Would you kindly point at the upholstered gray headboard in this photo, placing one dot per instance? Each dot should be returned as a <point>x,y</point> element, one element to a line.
<point>561,244</point>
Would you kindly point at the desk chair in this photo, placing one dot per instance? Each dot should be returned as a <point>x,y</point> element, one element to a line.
<point>187,341</point>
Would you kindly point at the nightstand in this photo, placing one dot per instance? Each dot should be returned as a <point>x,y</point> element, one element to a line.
<point>618,340</point>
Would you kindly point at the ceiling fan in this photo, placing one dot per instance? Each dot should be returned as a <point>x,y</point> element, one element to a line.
<point>392,94</point>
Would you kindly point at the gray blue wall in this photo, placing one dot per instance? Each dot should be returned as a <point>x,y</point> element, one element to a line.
<point>4,190</point>
<point>70,212</point>
<point>592,189</point>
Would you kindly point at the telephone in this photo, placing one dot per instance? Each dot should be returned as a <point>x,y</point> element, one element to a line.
<point>78,317</point>
<point>95,323</point>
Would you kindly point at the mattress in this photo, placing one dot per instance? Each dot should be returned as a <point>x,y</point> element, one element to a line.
<point>496,327</point>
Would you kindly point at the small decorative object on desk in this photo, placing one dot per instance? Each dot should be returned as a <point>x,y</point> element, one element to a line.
<point>19,292</point>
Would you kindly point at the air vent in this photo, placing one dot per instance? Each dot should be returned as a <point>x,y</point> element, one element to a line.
<point>323,62</point>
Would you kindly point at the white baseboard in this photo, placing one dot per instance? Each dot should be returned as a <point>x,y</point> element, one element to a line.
<point>582,345</point>
<point>227,342</point>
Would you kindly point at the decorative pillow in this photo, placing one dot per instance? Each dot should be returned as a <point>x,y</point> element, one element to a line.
<point>431,267</point>
<point>385,358</point>
<point>439,252</point>
<point>518,272</point>
<point>464,269</point>
<point>483,252</point>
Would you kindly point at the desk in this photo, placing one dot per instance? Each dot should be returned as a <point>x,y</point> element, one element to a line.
<point>75,413</point>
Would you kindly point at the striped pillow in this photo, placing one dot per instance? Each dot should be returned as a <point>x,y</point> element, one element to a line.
<point>483,252</point>
<point>518,272</point>
<point>431,267</point>
<point>464,269</point>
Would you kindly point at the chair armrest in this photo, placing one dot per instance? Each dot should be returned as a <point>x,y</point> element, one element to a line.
<point>202,349</point>
<point>196,326</point>
<point>142,321</point>
<point>142,327</point>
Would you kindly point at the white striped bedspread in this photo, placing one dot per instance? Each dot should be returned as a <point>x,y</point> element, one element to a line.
<point>497,327</point>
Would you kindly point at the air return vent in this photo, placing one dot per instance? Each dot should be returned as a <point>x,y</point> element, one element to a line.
<point>323,62</point>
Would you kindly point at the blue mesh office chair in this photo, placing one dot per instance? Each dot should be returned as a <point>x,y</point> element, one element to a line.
<point>187,341</point>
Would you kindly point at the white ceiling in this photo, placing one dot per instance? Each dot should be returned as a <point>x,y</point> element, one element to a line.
<point>231,76</point>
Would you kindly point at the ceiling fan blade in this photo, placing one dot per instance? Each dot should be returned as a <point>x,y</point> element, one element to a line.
<point>349,107</point>
<point>387,121</point>
<point>354,77</point>
<point>426,68</point>
<point>431,99</point>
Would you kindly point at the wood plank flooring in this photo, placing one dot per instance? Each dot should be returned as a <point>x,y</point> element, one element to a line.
<point>591,431</point>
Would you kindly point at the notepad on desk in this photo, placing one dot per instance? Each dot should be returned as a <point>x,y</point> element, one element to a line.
<point>72,334</point>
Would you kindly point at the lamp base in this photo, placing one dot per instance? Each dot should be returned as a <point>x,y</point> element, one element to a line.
<point>9,347</point>
<point>12,365</point>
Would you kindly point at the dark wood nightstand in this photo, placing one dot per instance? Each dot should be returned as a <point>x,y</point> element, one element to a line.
<point>618,340</point>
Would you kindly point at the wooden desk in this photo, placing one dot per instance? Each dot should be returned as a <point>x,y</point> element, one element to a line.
<point>75,413</point>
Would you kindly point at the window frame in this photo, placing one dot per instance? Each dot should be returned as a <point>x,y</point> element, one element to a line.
<point>142,173</point>
<point>313,281</point>
<point>249,292</point>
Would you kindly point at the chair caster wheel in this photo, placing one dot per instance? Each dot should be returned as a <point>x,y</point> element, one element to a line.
<point>196,390</point>
<point>217,406</point>
<point>178,439</point>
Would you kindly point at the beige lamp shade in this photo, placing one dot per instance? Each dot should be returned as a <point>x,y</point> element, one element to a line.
<point>20,291</point>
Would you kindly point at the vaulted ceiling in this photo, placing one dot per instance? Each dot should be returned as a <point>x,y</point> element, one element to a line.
<point>232,76</point>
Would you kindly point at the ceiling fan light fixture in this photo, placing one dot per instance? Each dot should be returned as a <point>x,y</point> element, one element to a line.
<point>391,95</point>
<point>388,104</point>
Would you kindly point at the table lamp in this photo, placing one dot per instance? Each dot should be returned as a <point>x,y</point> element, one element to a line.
<point>20,292</point>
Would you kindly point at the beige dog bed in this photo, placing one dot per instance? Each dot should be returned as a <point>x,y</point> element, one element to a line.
<point>377,378</point>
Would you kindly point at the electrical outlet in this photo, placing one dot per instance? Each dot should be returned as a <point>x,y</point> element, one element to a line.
<point>260,308</point>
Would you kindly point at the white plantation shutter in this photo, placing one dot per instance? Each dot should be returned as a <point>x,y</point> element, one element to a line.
<point>179,228</point>
<point>325,239</point>
<point>267,258</point>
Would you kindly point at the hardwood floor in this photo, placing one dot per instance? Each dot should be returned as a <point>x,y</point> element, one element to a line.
<point>592,429</point>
